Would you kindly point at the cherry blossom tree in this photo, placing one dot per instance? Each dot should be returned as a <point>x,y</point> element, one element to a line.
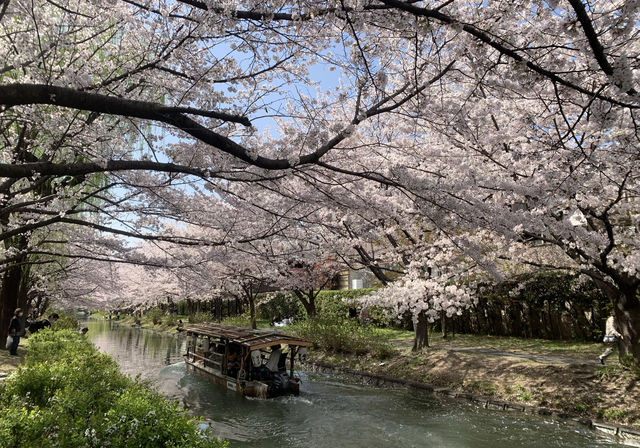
<point>517,119</point>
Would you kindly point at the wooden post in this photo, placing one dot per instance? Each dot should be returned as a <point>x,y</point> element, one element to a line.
<point>294,350</point>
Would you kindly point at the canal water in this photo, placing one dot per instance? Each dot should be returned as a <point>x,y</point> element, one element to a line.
<point>332,411</point>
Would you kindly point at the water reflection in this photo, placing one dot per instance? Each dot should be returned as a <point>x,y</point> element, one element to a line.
<point>331,411</point>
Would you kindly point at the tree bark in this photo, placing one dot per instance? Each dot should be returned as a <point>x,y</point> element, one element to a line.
<point>626,312</point>
<point>13,292</point>
<point>308,302</point>
<point>252,311</point>
<point>251,300</point>
<point>421,332</point>
<point>443,324</point>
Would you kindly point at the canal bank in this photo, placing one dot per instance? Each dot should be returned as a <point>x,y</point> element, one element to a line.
<point>625,434</point>
<point>405,369</point>
<point>333,409</point>
<point>67,394</point>
<point>566,382</point>
<point>568,387</point>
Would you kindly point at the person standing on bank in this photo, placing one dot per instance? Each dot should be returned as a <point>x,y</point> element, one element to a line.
<point>15,331</point>
<point>611,336</point>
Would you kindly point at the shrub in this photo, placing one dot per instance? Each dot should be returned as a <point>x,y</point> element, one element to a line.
<point>67,394</point>
<point>65,320</point>
<point>329,303</point>
<point>336,304</point>
<point>200,317</point>
<point>243,320</point>
<point>171,320</point>
<point>280,304</point>
<point>156,315</point>
<point>343,336</point>
<point>48,345</point>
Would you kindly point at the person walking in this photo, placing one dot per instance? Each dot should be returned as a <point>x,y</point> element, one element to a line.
<point>611,336</point>
<point>15,331</point>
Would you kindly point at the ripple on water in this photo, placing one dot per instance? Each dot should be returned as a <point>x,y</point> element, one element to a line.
<point>177,371</point>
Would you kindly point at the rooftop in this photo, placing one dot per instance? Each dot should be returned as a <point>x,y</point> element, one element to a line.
<point>254,339</point>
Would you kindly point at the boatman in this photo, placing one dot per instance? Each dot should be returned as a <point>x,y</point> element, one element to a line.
<point>276,352</point>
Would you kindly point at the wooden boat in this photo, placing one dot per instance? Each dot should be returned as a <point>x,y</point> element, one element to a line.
<point>250,362</point>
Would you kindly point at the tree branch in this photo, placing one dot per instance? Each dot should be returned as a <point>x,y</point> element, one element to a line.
<point>487,39</point>
<point>594,43</point>
<point>20,94</point>
<point>76,169</point>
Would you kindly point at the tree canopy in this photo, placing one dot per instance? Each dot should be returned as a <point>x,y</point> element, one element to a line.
<point>491,136</point>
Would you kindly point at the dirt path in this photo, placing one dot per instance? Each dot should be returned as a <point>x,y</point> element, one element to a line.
<point>542,358</point>
<point>9,363</point>
<point>535,357</point>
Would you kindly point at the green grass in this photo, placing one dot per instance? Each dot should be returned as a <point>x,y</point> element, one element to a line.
<point>244,321</point>
<point>481,387</point>
<point>611,414</point>
<point>394,333</point>
<point>169,323</point>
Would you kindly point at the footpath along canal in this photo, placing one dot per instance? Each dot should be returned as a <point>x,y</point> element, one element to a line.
<point>332,411</point>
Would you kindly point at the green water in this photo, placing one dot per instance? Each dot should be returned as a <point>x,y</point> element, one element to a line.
<point>331,411</point>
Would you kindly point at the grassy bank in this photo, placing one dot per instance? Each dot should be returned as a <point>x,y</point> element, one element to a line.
<point>67,394</point>
<point>579,386</point>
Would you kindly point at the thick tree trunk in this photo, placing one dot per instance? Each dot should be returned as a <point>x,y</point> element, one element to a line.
<point>308,301</point>
<point>218,309</point>
<point>443,324</point>
<point>252,310</point>
<point>626,311</point>
<point>12,296</point>
<point>14,285</point>
<point>421,332</point>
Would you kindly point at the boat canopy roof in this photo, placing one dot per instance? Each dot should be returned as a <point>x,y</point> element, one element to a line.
<point>254,339</point>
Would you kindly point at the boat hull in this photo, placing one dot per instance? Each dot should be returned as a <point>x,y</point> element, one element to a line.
<point>257,389</point>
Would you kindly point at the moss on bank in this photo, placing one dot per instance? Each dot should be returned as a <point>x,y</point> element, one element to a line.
<point>67,394</point>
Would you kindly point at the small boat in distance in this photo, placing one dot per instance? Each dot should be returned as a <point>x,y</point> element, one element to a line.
<point>250,362</point>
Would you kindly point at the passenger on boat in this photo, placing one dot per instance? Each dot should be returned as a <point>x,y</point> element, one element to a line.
<point>256,358</point>
<point>258,371</point>
<point>277,370</point>
<point>274,358</point>
<point>206,347</point>
<point>233,361</point>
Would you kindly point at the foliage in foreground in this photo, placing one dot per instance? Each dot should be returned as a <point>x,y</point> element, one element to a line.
<point>67,394</point>
<point>344,336</point>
